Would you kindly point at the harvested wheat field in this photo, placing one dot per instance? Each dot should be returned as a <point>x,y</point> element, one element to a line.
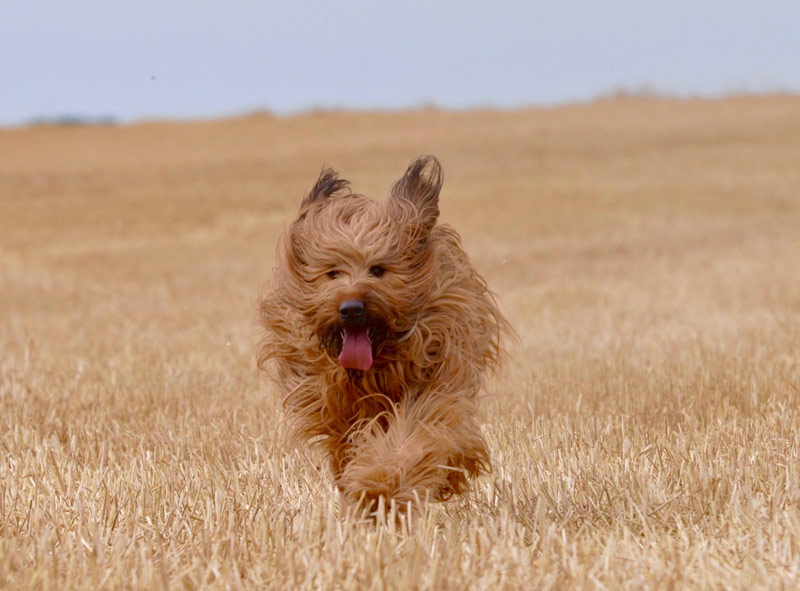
<point>645,432</point>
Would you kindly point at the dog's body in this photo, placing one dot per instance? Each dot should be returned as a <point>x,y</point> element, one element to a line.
<point>382,333</point>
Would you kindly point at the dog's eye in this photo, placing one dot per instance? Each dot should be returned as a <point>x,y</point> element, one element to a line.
<point>333,274</point>
<point>377,271</point>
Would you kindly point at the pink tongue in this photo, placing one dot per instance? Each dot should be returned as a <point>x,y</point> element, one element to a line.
<point>356,349</point>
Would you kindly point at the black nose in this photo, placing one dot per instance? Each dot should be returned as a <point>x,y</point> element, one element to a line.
<point>351,310</point>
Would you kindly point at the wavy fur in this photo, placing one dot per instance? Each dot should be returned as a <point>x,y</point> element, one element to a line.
<point>406,428</point>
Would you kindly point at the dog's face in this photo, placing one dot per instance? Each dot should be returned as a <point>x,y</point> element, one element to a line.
<point>360,270</point>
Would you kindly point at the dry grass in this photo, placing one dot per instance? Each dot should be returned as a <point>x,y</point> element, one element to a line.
<point>645,435</point>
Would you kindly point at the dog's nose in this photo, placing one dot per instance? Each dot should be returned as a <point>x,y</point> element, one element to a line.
<point>351,310</point>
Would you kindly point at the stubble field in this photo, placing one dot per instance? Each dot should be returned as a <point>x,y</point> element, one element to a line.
<point>645,432</point>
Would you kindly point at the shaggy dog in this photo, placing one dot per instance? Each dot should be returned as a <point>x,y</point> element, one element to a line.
<point>381,333</point>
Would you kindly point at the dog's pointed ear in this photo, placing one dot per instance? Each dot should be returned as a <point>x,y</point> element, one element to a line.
<point>328,184</point>
<point>420,185</point>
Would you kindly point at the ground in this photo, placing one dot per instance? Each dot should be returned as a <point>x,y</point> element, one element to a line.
<point>644,433</point>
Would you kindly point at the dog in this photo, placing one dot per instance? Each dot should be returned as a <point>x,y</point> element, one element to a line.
<point>381,334</point>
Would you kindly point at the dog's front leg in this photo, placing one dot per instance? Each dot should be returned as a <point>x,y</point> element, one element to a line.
<point>427,450</point>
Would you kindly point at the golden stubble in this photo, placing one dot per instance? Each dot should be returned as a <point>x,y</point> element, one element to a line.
<point>644,434</point>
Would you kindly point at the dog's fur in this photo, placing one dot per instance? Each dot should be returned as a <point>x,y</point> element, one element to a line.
<point>405,428</point>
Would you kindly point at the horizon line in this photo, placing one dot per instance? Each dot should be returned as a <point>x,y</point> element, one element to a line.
<point>76,119</point>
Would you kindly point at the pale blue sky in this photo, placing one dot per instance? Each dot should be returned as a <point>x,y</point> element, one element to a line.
<point>187,59</point>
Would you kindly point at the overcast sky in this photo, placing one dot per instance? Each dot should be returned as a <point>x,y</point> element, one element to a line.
<point>187,59</point>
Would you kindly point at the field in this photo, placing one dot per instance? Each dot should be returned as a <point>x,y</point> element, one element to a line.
<point>645,431</point>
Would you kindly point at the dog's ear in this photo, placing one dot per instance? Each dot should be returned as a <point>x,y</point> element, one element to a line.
<point>421,185</point>
<point>328,184</point>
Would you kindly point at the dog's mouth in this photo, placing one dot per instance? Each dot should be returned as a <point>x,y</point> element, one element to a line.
<point>356,350</point>
<point>355,345</point>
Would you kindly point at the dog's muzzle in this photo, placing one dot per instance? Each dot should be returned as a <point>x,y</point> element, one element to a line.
<point>356,352</point>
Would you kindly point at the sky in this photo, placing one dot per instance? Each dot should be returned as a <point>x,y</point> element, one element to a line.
<point>197,59</point>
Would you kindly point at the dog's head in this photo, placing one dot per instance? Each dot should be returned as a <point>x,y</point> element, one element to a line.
<point>358,270</point>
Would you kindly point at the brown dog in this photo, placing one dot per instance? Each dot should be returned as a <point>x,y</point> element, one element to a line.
<point>381,333</point>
